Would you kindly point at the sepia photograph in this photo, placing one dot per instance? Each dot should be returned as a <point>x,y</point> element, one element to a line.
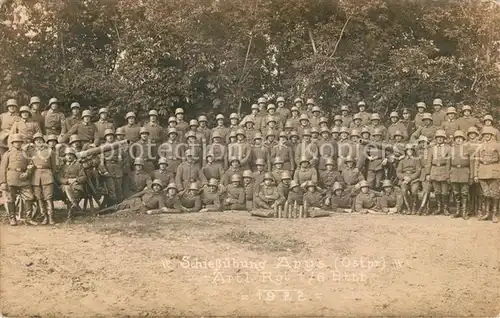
<point>270,158</point>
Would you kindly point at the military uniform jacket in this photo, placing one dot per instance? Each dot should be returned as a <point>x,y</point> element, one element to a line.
<point>377,156</point>
<point>73,170</point>
<point>284,152</point>
<point>192,203</point>
<point>220,153</point>
<point>54,122</point>
<point>277,175</point>
<point>391,200</point>
<point>409,167</point>
<point>283,190</point>
<point>366,200</point>
<point>101,126</point>
<point>111,162</point>
<point>142,149</point>
<point>300,129</point>
<point>240,150</point>
<point>268,194</point>
<point>283,113</point>
<point>132,132</point>
<point>438,117</point>
<point>346,121</point>
<point>139,180</point>
<point>497,133</point>
<point>44,161</point>
<point>173,202</point>
<point>314,199</point>
<point>450,126</point>
<point>309,150</point>
<point>393,128</point>
<point>464,123</point>
<point>438,162</point>
<point>488,161</point>
<point>154,200</point>
<point>26,129</point>
<point>427,131</point>
<point>86,132</point>
<point>418,120</point>
<point>7,120</point>
<point>295,121</point>
<point>258,178</point>
<point>235,194</point>
<point>314,120</point>
<point>249,191</point>
<point>210,198</point>
<point>410,127</point>
<point>351,176</point>
<point>13,163</point>
<point>460,164</point>
<point>365,118</point>
<point>250,133</point>
<point>302,175</point>
<point>211,170</point>
<point>297,195</point>
<point>381,128</point>
<point>328,178</point>
<point>155,132</point>
<point>188,173</point>
<point>326,149</point>
<point>37,117</point>
<point>164,176</point>
<point>423,154</point>
<point>344,201</point>
<point>229,173</point>
<point>205,133</point>
<point>70,122</point>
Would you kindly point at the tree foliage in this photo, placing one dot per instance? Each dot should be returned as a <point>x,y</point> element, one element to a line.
<point>212,56</point>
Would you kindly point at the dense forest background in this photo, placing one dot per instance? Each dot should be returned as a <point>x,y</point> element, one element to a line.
<point>212,56</point>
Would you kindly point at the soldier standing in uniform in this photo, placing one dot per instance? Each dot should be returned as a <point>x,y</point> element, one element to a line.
<point>85,129</point>
<point>258,174</point>
<point>113,173</point>
<point>329,176</point>
<point>408,123</point>
<point>356,122</point>
<point>132,128</point>
<point>365,116</point>
<point>422,152</point>
<point>295,117</point>
<point>283,151</point>
<point>75,116</point>
<point>15,171</point>
<point>396,126</point>
<point>218,149</point>
<point>439,115</point>
<point>461,174</point>
<point>250,131</point>
<point>139,179</point>
<point>188,172</point>
<point>259,151</point>
<point>488,122</point>
<point>251,117</point>
<point>103,124</point>
<point>235,194</point>
<point>346,117</point>
<point>36,113</point>
<point>261,115</point>
<point>155,131</point>
<point>438,169</point>
<point>327,149</point>
<point>467,121</point>
<point>473,143</point>
<point>487,173</point>
<point>182,125</point>
<point>8,118</point>
<point>203,129</point>
<point>421,108</point>
<point>408,173</point>
<point>306,148</point>
<point>428,129</point>
<point>25,126</point>
<point>54,119</point>
<point>316,116</point>
<point>43,159</point>
<point>376,125</point>
<point>282,111</point>
<point>72,180</point>
<point>142,149</point>
<point>337,122</point>
<point>305,172</point>
<point>220,130</point>
<point>211,170</point>
<point>450,124</point>
<point>377,161</point>
<point>277,169</point>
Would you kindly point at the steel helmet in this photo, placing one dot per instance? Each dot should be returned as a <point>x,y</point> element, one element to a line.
<point>386,183</point>
<point>172,185</point>
<point>38,135</point>
<point>179,111</point>
<point>143,130</point>
<point>488,130</point>
<point>261,100</point>
<point>344,130</point>
<point>355,132</point>
<point>348,159</point>
<point>298,100</point>
<point>324,130</point>
<point>193,122</point>
<point>16,138</point>
<point>394,114</point>
<point>335,130</point>
<point>240,131</point>
<point>344,108</point>
<point>451,110</point>
<point>285,175</point>
<point>235,178</point>
<point>437,101</point>
<point>294,133</point>
<point>310,183</point>
<point>280,99</point>
<point>103,110</point>
<point>257,135</point>
<point>377,132</point>
<point>53,100</point>
<point>310,101</point>
<point>86,113</point>
<point>74,105</point>
<point>172,131</point>
<point>283,135</point>
<point>270,132</point>
<point>157,182</point>
<point>293,184</point>
<point>130,114</point>
<point>268,176</point>
<point>307,132</point>
<point>488,117</point>
<point>24,109</point>
<point>427,116</point>
<point>361,103</point>
<point>271,119</point>
<point>460,134</point>
<point>314,130</point>
<point>304,117</point>
<point>409,146</point>
<point>440,133</point>
<point>271,106</point>
<point>423,138</point>
<point>209,154</point>
<point>109,132</point>
<point>193,186</point>
<point>35,99</point>
<point>294,109</point>
<point>303,159</point>
<point>216,134</point>
<point>202,118</point>
<point>69,151</point>
<point>278,160</point>
<point>466,107</point>
<point>213,182</point>
<point>323,120</point>
<point>337,186</point>
<point>172,119</point>
<point>120,131</point>
<point>337,117</point>
<point>316,109</point>
<point>250,120</point>
<point>52,138</point>
<point>259,162</point>
<point>375,116</point>
<point>247,174</point>
<point>398,133</point>
<point>421,105</point>
<point>189,153</point>
<point>153,112</point>
<point>74,138</point>
<point>472,129</point>
<point>233,159</point>
<point>190,134</point>
<point>219,116</point>
<point>366,130</point>
<point>329,161</point>
<point>162,160</point>
<point>254,106</point>
<point>233,116</point>
<point>364,184</point>
<point>357,116</point>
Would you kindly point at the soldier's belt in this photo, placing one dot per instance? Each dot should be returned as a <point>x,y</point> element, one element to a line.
<point>16,169</point>
<point>460,166</point>
<point>439,164</point>
<point>42,167</point>
<point>488,162</point>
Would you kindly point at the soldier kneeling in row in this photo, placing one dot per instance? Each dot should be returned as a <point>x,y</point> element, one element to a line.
<point>366,200</point>
<point>341,200</point>
<point>313,196</point>
<point>390,200</point>
<point>191,199</point>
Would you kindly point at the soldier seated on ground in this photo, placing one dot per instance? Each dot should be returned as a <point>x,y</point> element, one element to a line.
<point>162,172</point>
<point>249,188</point>
<point>329,176</point>
<point>191,199</point>
<point>341,200</point>
<point>139,179</point>
<point>210,197</point>
<point>267,196</point>
<point>169,199</point>
<point>284,184</point>
<point>313,196</point>
<point>350,174</point>
<point>72,180</point>
<point>295,194</point>
<point>366,200</point>
<point>154,200</point>
<point>391,200</point>
<point>235,194</point>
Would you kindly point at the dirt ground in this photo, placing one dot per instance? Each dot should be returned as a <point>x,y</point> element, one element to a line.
<point>232,264</point>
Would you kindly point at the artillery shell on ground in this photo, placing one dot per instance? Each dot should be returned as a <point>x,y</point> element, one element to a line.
<point>263,213</point>
<point>318,213</point>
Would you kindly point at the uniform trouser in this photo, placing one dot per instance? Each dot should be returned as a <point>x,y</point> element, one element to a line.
<point>490,188</point>
<point>24,192</point>
<point>249,204</point>
<point>460,188</point>
<point>235,206</point>
<point>374,178</point>
<point>440,187</point>
<point>384,203</point>
<point>50,131</point>
<point>73,195</point>
<point>259,203</point>
<point>44,192</point>
<point>114,187</point>
<point>412,187</point>
<point>426,186</point>
<point>149,167</point>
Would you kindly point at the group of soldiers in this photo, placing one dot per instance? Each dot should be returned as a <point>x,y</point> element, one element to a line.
<point>276,154</point>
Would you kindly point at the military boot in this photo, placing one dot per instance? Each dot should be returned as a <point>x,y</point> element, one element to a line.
<point>486,214</point>
<point>439,203</point>
<point>11,210</point>
<point>465,212</point>
<point>29,212</point>
<point>69,218</point>
<point>494,213</point>
<point>414,205</point>
<point>50,211</point>
<point>446,201</point>
<point>457,213</point>
<point>43,211</point>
